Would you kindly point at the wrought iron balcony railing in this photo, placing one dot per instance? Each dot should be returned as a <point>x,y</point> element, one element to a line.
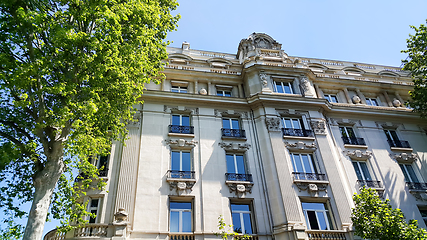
<point>354,141</point>
<point>398,143</point>
<point>297,132</point>
<point>181,174</point>
<point>310,176</point>
<point>181,236</point>
<point>369,183</point>
<point>325,234</point>
<point>238,177</point>
<point>416,186</point>
<point>238,133</point>
<point>181,129</point>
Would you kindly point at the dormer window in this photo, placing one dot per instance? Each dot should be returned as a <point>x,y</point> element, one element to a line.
<point>353,71</point>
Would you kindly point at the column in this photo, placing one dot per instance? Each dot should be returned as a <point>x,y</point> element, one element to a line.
<point>347,96</point>
<point>196,87</point>
<point>387,98</point>
<point>209,88</point>
<point>240,91</point>
<point>319,91</point>
<point>362,97</point>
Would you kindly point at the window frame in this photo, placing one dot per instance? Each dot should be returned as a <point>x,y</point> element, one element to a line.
<point>347,132</point>
<point>389,135</point>
<point>181,160</point>
<point>291,119</point>
<point>329,97</point>
<point>407,175</point>
<point>242,218</point>
<point>327,215</point>
<point>180,216</point>
<point>94,210</point>
<point>368,168</point>
<point>313,167</point>
<point>179,89</point>
<point>180,119</point>
<point>369,101</point>
<point>235,163</point>
<point>223,92</point>
<point>289,84</point>
<point>230,119</point>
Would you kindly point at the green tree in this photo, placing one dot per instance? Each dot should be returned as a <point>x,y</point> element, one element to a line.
<point>374,218</point>
<point>416,63</point>
<point>70,73</point>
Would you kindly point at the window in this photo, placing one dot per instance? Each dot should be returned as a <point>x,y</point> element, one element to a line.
<point>236,168</point>
<point>331,98</point>
<point>231,128</point>
<point>317,216</point>
<point>295,127</point>
<point>349,137</point>
<point>283,87</point>
<point>294,123</point>
<point>101,163</point>
<point>180,217</point>
<point>93,207</point>
<point>423,211</point>
<point>393,139</point>
<point>224,93</point>
<point>362,171</point>
<point>242,218</point>
<point>371,102</point>
<point>179,89</point>
<point>181,164</point>
<point>303,163</point>
<point>409,173</point>
<point>181,124</point>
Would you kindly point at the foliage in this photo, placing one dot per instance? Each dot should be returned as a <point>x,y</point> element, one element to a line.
<point>225,233</point>
<point>374,218</point>
<point>70,75</point>
<point>417,64</point>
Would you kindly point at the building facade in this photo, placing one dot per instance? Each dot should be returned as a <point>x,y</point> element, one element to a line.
<point>277,145</point>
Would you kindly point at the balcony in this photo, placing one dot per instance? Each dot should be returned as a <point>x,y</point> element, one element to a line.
<point>181,236</point>
<point>181,181</point>
<point>370,184</point>
<point>91,230</point>
<point>354,141</point>
<point>238,177</point>
<point>181,129</point>
<point>181,174</point>
<point>398,143</point>
<point>297,132</point>
<point>325,234</point>
<point>310,176</point>
<point>417,186</point>
<point>233,133</point>
<point>246,237</point>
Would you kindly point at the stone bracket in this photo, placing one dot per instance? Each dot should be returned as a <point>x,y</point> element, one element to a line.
<point>240,188</point>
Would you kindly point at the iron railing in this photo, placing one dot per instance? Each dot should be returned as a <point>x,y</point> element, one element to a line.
<point>354,141</point>
<point>181,129</point>
<point>238,177</point>
<point>369,183</point>
<point>310,176</point>
<point>398,143</point>
<point>416,186</point>
<point>297,132</point>
<point>238,133</point>
<point>181,174</point>
<point>181,236</point>
<point>325,234</point>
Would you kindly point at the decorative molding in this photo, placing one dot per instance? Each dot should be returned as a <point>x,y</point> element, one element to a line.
<point>180,109</point>
<point>291,112</point>
<point>405,157</point>
<point>181,186</point>
<point>180,143</point>
<point>358,154</point>
<point>241,147</point>
<point>230,113</point>
<point>311,187</point>
<point>344,121</point>
<point>240,188</point>
<point>318,126</point>
<point>301,146</point>
<point>273,124</point>
<point>389,125</point>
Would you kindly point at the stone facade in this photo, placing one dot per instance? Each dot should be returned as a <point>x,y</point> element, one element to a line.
<point>282,141</point>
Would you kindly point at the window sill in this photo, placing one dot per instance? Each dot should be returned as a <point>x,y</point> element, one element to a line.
<point>355,146</point>
<point>298,137</point>
<point>401,149</point>
<point>234,138</point>
<point>181,135</point>
<point>311,181</point>
<point>180,180</point>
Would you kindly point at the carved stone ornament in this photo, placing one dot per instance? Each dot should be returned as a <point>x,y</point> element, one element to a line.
<point>305,84</point>
<point>273,124</point>
<point>301,146</point>
<point>230,113</point>
<point>263,78</point>
<point>318,126</point>
<point>240,188</point>
<point>405,157</point>
<point>180,143</point>
<point>397,103</point>
<point>180,109</point>
<point>234,146</point>
<point>312,188</point>
<point>121,216</point>
<point>181,186</point>
<point>358,154</point>
<point>203,91</point>
<point>356,99</point>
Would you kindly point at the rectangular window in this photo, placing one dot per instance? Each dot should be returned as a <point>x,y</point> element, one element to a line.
<point>394,141</point>
<point>317,216</point>
<point>180,217</point>
<point>181,124</point>
<point>347,132</point>
<point>179,89</point>
<point>303,163</point>
<point>231,128</point>
<point>409,173</point>
<point>362,171</point>
<point>93,207</point>
<point>371,102</point>
<point>223,93</point>
<point>181,164</point>
<point>236,168</point>
<point>180,120</point>
<point>423,211</point>
<point>242,218</point>
<point>331,98</point>
<point>293,123</point>
<point>283,87</point>
<point>349,137</point>
<point>230,123</point>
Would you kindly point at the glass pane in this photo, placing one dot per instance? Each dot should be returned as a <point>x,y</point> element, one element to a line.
<point>322,221</point>
<point>388,135</point>
<point>176,120</point>
<point>394,135</point>
<point>237,225</point>
<point>219,93</point>
<point>350,132</point>
<point>230,164</point>
<point>186,221</point>
<point>175,162</point>
<point>183,89</point>
<point>287,88</point>
<point>407,179</point>
<point>365,171</point>
<point>103,162</point>
<point>235,124</point>
<point>227,94</point>
<point>297,163</point>
<point>343,132</point>
<point>93,219</point>
<point>279,87</point>
<point>239,207</point>
<point>186,161</point>
<point>226,123</point>
<point>358,172</point>
<point>288,123</point>
<point>311,215</point>
<point>296,124</point>
<point>374,102</point>
<point>174,89</point>
<point>247,223</point>
<point>240,164</point>
<point>180,205</point>
<point>334,99</point>
<point>185,121</point>
<point>411,173</point>
<point>306,162</point>
<point>313,206</point>
<point>174,221</point>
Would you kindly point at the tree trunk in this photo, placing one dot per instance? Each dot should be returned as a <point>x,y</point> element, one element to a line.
<point>44,183</point>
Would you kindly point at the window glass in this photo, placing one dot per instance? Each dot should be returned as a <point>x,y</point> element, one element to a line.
<point>228,123</point>
<point>235,123</point>
<point>347,132</point>
<point>176,120</point>
<point>283,87</point>
<point>303,163</point>
<point>235,164</point>
<point>331,98</point>
<point>279,87</point>
<point>185,121</point>
<point>180,217</point>
<point>409,173</point>
<point>93,208</point>
<point>181,161</point>
<point>241,215</point>
<point>317,216</point>
<point>362,171</point>
<point>371,102</point>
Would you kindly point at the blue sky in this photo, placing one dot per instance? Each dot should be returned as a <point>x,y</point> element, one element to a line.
<point>360,31</point>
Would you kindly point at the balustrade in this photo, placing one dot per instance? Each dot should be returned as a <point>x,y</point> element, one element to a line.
<point>310,176</point>
<point>322,234</point>
<point>416,186</point>
<point>238,177</point>
<point>91,230</point>
<point>369,183</point>
<point>181,174</point>
<point>354,141</point>
<point>181,236</point>
<point>239,133</point>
